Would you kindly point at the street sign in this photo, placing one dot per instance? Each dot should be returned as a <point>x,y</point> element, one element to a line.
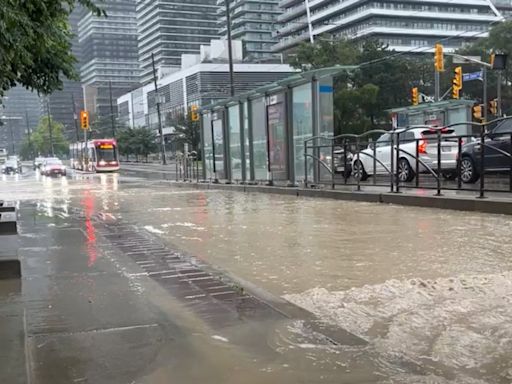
<point>472,76</point>
<point>460,60</point>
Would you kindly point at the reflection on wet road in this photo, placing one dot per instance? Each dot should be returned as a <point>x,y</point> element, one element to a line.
<point>430,290</point>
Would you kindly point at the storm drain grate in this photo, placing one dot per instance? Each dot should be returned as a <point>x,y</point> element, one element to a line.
<point>216,301</point>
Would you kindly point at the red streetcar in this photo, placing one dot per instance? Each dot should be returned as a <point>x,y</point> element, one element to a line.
<point>99,155</point>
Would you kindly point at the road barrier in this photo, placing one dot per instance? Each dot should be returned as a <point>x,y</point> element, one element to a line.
<point>421,156</point>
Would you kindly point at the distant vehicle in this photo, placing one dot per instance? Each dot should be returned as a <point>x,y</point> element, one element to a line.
<point>99,155</point>
<point>496,160</point>
<point>362,168</point>
<point>38,161</point>
<point>52,166</point>
<point>3,155</point>
<point>15,159</point>
<point>10,166</point>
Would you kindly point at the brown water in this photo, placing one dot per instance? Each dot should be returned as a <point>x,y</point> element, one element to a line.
<point>429,289</point>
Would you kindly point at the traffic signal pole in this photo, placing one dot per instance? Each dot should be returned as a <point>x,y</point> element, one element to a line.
<point>437,80</point>
<point>484,79</point>
<point>157,99</point>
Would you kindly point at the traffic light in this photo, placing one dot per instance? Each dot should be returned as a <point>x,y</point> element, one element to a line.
<point>456,82</point>
<point>477,112</point>
<point>194,116</point>
<point>493,107</point>
<point>415,97</point>
<point>84,119</point>
<point>439,58</point>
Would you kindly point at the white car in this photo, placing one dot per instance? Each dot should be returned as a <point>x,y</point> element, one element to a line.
<point>425,139</point>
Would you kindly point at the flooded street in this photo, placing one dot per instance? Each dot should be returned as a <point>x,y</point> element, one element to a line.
<point>429,290</point>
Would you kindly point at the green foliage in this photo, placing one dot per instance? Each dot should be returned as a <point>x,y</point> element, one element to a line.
<point>500,41</point>
<point>186,131</point>
<point>40,143</point>
<point>35,43</point>
<point>361,97</point>
<point>137,142</point>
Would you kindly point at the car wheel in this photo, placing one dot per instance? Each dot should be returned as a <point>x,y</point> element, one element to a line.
<point>468,172</point>
<point>358,171</point>
<point>405,172</point>
<point>449,175</point>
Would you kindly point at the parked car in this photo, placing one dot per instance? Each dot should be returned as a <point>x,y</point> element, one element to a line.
<point>38,161</point>
<point>340,162</point>
<point>497,154</point>
<point>10,166</point>
<point>362,167</point>
<point>52,166</point>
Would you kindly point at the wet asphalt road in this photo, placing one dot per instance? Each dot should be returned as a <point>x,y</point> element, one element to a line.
<point>122,285</point>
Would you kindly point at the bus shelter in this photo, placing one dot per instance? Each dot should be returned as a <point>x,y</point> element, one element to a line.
<point>259,136</point>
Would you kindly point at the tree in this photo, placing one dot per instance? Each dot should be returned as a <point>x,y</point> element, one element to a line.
<point>185,130</point>
<point>40,139</point>
<point>137,141</point>
<point>35,43</point>
<point>382,81</point>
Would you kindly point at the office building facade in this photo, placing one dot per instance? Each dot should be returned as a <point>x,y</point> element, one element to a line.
<point>402,25</point>
<point>167,29</point>
<point>253,22</point>
<point>20,113</point>
<point>109,65</point>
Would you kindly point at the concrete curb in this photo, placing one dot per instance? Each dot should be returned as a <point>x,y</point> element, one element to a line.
<point>459,203</point>
<point>10,266</point>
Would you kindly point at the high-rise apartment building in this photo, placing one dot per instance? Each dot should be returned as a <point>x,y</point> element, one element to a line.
<point>169,28</point>
<point>109,57</point>
<point>66,103</point>
<point>253,22</point>
<point>20,113</point>
<point>404,25</point>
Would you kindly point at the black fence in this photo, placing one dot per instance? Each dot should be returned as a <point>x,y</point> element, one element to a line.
<point>422,156</point>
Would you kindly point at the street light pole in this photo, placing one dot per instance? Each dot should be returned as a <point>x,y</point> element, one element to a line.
<point>157,99</point>
<point>75,118</point>
<point>28,134</point>
<point>230,50</point>
<point>112,110</point>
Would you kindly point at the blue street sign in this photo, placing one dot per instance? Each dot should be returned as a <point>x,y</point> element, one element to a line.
<point>472,76</point>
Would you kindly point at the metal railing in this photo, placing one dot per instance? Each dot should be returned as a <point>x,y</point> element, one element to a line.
<point>437,159</point>
<point>188,168</point>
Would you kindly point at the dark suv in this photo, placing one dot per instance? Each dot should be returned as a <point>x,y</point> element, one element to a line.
<point>497,154</point>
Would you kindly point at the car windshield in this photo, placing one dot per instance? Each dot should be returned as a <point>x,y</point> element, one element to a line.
<point>53,162</point>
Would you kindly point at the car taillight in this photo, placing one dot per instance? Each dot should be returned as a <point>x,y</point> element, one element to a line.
<point>422,146</point>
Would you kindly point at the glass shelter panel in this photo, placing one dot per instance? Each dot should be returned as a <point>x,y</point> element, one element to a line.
<point>302,126</point>
<point>235,150</point>
<point>218,140</point>
<point>208,146</point>
<point>259,138</point>
<point>277,140</point>
<point>246,141</point>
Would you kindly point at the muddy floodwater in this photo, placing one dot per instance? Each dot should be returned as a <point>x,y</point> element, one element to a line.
<point>429,290</point>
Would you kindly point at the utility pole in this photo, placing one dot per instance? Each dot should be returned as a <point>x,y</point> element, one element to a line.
<point>157,99</point>
<point>75,118</point>
<point>484,79</point>
<point>50,129</point>
<point>230,50</point>
<point>498,93</point>
<point>29,134</point>
<point>112,110</point>
<point>12,139</point>
<point>308,17</point>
